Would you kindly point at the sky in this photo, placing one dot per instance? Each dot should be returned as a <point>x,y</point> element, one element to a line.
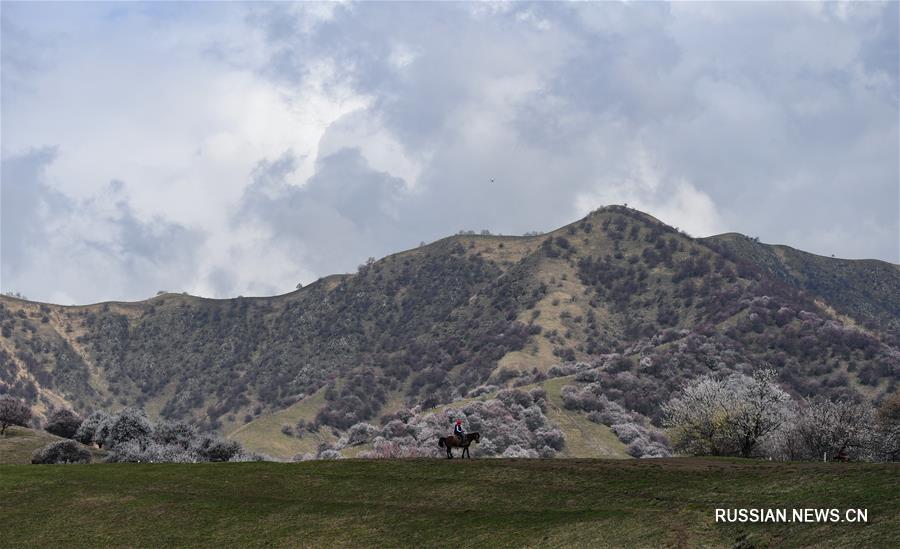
<point>240,149</point>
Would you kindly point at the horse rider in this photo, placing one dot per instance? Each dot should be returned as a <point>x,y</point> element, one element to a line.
<point>459,432</point>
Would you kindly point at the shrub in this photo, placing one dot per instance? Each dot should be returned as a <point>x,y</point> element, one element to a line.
<point>588,376</point>
<point>217,449</point>
<point>587,399</point>
<point>394,449</point>
<point>626,432</point>
<point>244,457</point>
<point>482,390</point>
<point>534,418</point>
<point>63,423</point>
<point>515,396</point>
<point>330,454</point>
<point>660,438</point>
<point>175,433</point>
<point>362,394</point>
<point>148,451</point>
<point>517,451</point>
<point>394,429</point>
<point>546,452</point>
<point>360,433</point>
<point>552,438</point>
<point>328,451</point>
<point>64,451</point>
<point>642,448</point>
<point>561,371</point>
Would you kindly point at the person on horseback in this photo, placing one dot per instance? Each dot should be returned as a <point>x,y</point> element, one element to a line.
<point>459,432</point>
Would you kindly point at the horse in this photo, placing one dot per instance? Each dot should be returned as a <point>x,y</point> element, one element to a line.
<point>453,442</point>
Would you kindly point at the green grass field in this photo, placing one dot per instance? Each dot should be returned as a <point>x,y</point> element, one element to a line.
<point>424,503</point>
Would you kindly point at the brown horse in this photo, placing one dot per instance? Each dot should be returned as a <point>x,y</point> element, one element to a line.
<point>454,442</point>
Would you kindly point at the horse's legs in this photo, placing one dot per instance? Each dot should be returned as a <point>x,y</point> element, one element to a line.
<point>449,454</point>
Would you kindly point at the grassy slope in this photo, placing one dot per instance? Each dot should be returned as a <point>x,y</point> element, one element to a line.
<point>420,503</point>
<point>584,438</point>
<point>19,443</point>
<point>264,433</point>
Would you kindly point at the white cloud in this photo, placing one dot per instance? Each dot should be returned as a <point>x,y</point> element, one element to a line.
<point>402,56</point>
<point>364,130</point>
<point>644,186</point>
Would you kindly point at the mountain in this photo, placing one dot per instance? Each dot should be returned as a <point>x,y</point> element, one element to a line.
<point>648,305</point>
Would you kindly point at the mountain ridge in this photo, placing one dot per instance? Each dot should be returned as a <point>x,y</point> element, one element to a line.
<point>431,324</point>
<point>499,237</point>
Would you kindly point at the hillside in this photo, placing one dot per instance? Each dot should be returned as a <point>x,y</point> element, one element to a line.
<point>17,445</point>
<point>646,305</point>
<point>422,503</point>
<point>864,290</point>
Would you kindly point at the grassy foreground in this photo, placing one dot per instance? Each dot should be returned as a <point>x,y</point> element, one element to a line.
<point>416,503</point>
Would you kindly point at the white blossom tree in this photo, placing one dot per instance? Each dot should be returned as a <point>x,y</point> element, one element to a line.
<point>729,416</point>
<point>699,417</point>
<point>757,408</point>
<point>827,427</point>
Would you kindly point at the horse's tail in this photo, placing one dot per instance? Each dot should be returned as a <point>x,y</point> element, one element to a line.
<point>441,442</point>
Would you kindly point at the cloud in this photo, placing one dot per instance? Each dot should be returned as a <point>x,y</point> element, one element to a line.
<point>644,186</point>
<point>261,145</point>
<point>344,213</point>
<point>52,243</point>
<point>25,201</point>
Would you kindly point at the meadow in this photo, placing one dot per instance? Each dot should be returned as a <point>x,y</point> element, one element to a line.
<point>434,502</point>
